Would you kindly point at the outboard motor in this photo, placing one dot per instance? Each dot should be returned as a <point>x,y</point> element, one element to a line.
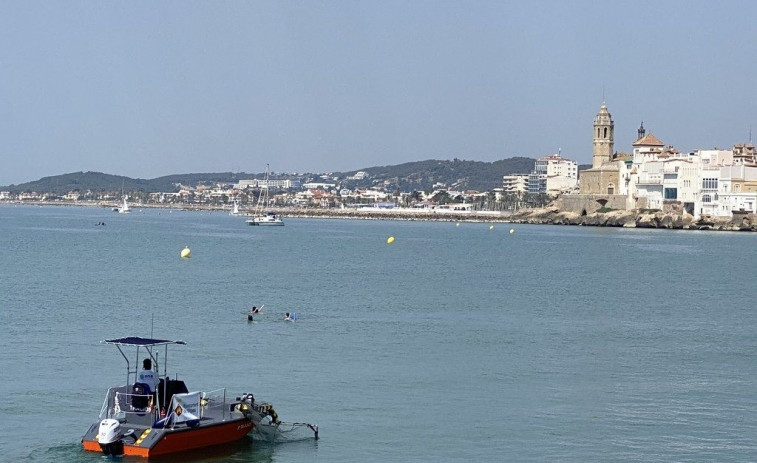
<point>109,437</point>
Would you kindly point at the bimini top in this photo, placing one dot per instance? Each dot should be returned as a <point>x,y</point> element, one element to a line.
<point>141,342</point>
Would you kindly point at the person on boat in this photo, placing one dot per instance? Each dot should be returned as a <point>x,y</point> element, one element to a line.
<point>148,377</point>
<point>287,318</point>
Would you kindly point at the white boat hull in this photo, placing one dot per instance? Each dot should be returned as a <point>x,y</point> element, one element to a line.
<point>265,221</point>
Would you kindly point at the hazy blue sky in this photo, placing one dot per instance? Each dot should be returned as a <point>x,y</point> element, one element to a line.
<point>151,88</point>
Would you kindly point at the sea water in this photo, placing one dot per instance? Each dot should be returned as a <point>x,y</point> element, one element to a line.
<point>456,342</point>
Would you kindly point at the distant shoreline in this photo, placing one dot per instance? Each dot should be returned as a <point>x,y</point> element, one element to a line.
<point>543,216</point>
<point>361,214</point>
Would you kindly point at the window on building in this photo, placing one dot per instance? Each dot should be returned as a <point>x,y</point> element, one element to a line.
<point>710,183</point>
<point>671,193</point>
<point>706,199</point>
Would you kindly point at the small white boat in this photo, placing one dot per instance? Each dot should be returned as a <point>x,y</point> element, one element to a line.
<point>270,219</point>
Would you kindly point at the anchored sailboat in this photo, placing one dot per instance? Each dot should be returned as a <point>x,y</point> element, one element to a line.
<point>260,216</point>
<point>124,209</point>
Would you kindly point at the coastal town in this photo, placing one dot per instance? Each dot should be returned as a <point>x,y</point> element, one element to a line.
<point>638,188</point>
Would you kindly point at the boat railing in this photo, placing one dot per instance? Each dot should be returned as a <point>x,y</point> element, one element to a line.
<point>213,404</point>
<point>120,403</point>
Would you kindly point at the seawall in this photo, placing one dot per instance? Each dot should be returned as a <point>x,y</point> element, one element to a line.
<point>635,219</point>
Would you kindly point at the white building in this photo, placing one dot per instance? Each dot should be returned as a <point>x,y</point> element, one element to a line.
<point>553,175</point>
<point>282,184</point>
<point>318,186</point>
<point>731,196</point>
<point>515,183</point>
<point>706,182</point>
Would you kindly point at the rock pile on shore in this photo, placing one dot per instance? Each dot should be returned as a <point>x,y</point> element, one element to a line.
<point>635,219</point>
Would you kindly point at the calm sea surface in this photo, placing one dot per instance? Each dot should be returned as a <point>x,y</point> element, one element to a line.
<point>454,343</point>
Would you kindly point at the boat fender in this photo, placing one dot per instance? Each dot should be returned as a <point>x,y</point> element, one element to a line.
<point>274,416</point>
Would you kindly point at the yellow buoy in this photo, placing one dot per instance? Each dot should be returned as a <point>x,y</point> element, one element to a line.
<point>390,240</point>
<point>186,253</point>
<point>491,227</point>
<point>512,231</point>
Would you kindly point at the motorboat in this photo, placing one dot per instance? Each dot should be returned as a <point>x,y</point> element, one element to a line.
<point>267,219</point>
<point>136,421</point>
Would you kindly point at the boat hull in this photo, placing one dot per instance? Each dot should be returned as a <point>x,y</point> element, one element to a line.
<point>265,223</point>
<point>154,441</point>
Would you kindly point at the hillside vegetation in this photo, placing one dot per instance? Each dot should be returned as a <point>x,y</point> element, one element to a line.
<point>421,175</point>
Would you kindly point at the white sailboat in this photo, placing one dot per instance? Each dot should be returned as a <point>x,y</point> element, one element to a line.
<point>235,208</point>
<point>124,209</point>
<point>260,216</point>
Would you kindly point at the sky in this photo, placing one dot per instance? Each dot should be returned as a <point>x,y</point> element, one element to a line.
<point>152,88</point>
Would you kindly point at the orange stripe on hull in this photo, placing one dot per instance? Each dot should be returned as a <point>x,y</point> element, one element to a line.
<point>185,439</point>
<point>91,446</point>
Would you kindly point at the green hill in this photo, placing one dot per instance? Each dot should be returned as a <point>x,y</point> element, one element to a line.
<point>421,175</point>
<point>97,181</point>
<point>456,174</point>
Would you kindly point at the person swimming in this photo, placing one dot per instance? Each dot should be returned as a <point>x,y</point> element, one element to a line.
<point>287,318</point>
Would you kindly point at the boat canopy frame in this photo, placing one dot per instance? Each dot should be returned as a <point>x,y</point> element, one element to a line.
<point>149,344</point>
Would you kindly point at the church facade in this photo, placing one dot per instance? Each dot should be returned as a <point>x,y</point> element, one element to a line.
<point>715,182</point>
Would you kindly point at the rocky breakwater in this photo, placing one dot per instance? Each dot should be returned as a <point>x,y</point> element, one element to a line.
<point>635,219</point>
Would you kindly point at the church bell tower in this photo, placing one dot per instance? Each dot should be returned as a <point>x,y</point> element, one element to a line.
<point>604,129</point>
